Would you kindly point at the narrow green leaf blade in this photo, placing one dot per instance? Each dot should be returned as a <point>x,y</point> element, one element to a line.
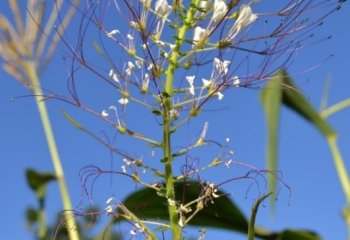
<point>271,98</point>
<point>72,121</point>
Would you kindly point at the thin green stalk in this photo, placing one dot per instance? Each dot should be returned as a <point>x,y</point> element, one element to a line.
<point>35,84</point>
<point>42,224</point>
<point>336,108</point>
<point>251,227</point>
<point>170,191</point>
<point>343,177</point>
<point>340,167</point>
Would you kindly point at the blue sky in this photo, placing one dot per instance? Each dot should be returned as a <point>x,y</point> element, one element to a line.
<point>316,200</point>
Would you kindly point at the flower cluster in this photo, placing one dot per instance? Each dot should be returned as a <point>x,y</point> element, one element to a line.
<point>176,57</point>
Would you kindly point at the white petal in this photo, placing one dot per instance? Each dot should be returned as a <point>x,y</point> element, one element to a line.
<point>220,9</point>
<point>190,79</point>
<point>220,95</point>
<point>123,101</point>
<point>104,113</point>
<point>206,83</point>
<point>112,33</point>
<point>198,34</point>
<point>162,8</point>
<point>245,17</point>
<point>236,81</point>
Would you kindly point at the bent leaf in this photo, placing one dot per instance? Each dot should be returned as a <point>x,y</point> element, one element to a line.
<point>296,101</point>
<point>281,90</point>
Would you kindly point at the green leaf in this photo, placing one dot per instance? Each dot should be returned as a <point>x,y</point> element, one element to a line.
<point>271,97</point>
<point>287,234</point>
<point>97,48</point>
<point>37,181</point>
<point>222,213</point>
<point>32,216</point>
<point>281,90</point>
<point>296,101</point>
<point>72,121</point>
<point>297,235</point>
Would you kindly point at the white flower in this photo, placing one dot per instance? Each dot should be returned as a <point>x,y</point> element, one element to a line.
<point>220,95</point>
<point>145,82</point>
<point>236,81</point>
<point>181,222</point>
<point>112,33</point>
<point>162,8</point>
<point>113,76</point>
<point>104,113</point>
<point>220,10</point>
<point>172,46</point>
<point>245,18</point>
<point>134,25</point>
<point>123,169</point>
<point>191,90</point>
<point>131,65</point>
<point>204,6</point>
<point>190,80</point>
<point>128,162</point>
<point>130,68</point>
<point>198,34</point>
<point>109,200</point>
<point>207,83</point>
<point>221,66</point>
<point>123,101</point>
<point>228,163</point>
<point>174,113</point>
<point>128,36</point>
<point>109,209</point>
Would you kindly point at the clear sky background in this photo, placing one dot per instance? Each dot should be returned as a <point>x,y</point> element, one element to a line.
<point>316,200</point>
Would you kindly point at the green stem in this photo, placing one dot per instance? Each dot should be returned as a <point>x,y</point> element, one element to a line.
<point>169,180</point>
<point>343,177</point>
<point>35,84</point>
<point>42,224</point>
<point>251,227</point>
<point>335,108</point>
<point>340,167</point>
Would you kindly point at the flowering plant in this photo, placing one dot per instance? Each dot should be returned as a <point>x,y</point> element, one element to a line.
<point>176,58</point>
<point>171,60</point>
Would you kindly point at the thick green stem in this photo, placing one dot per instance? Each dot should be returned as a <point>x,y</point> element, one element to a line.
<point>170,192</point>
<point>35,85</point>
